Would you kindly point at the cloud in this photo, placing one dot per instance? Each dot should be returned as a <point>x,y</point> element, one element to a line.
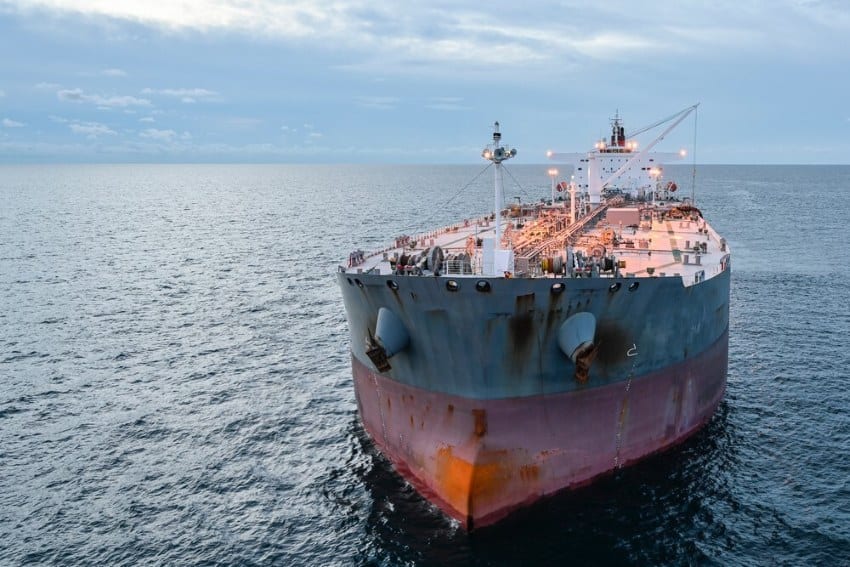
<point>611,45</point>
<point>313,137</point>
<point>160,135</point>
<point>2,94</point>
<point>168,136</point>
<point>295,18</point>
<point>393,38</point>
<point>450,103</point>
<point>7,123</point>
<point>187,96</point>
<point>110,72</point>
<point>244,122</point>
<point>828,13</point>
<point>75,95</point>
<point>404,35</point>
<point>377,102</point>
<point>568,59</point>
<point>91,129</point>
<point>78,95</point>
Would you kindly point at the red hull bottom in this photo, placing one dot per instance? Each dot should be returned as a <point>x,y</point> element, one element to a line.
<point>480,459</point>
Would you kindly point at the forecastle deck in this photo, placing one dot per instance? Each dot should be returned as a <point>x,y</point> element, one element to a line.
<point>637,240</point>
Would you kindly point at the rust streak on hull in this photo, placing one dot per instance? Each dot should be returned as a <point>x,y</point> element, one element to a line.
<point>480,459</point>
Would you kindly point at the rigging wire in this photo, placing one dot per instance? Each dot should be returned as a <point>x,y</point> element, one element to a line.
<point>694,170</point>
<point>639,131</point>
<point>522,189</point>
<point>427,222</point>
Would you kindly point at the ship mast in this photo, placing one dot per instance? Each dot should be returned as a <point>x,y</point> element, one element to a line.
<point>497,154</point>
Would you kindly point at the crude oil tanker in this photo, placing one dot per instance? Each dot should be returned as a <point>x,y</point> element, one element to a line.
<point>505,358</point>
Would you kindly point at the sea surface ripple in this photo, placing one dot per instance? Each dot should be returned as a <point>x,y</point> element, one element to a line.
<point>175,384</point>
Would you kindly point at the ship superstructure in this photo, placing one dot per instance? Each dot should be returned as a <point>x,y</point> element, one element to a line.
<point>529,350</point>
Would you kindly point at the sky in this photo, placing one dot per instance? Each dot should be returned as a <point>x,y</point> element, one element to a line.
<point>368,81</point>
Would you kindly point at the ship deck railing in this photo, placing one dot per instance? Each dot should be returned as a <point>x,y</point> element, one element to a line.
<point>461,268</point>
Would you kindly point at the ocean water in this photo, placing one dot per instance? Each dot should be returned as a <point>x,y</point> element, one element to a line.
<point>175,386</point>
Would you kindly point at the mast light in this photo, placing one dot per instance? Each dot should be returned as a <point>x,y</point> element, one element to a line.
<point>496,152</point>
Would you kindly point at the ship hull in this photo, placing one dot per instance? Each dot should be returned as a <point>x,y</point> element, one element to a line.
<point>483,411</point>
<point>480,459</point>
